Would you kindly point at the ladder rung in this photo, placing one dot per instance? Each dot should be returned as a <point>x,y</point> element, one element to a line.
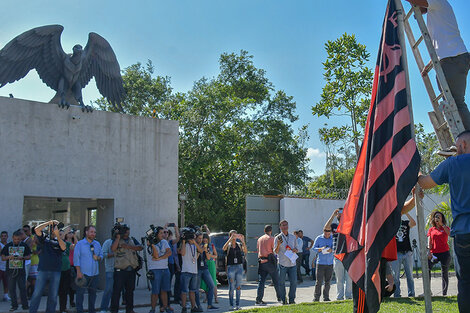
<point>443,126</point>
<point>427,68</point>
<point>410,12</point>
<point>420,39</point>
<point>439,97</point>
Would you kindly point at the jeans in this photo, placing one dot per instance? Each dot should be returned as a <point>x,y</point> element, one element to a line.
<point>444,258</point>
<point>298,264</point>
<point>462,250</point>
<point>108,291</point>
<point>124,279</point>
<point>292,272</point>
<point>262,274</point>
<point>206,276</point>
<point>405,258</point>
<point>91,285</point>
<point>342,278</point>
<point>456,70</point>
<point>235,275</point>
<point>43,278</point>
<point>17,278</point>
<point>324,273</point>
<point>177,286</point>
<point>305,262</point>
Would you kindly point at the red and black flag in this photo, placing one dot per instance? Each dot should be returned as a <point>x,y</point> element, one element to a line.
<point>386,172</point>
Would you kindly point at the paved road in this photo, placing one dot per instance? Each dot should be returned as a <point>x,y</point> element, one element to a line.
<point>304,294</point>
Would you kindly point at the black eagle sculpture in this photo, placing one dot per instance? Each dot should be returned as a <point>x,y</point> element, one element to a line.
<point>40,49</point>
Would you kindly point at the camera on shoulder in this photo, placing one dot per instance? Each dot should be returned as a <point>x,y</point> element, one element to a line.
<point>151,235</point>
<point>120,228</point>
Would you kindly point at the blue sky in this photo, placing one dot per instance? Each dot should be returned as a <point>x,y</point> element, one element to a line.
<point>185,38</point>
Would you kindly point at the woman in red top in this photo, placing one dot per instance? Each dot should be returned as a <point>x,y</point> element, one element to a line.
<point>438,236</point>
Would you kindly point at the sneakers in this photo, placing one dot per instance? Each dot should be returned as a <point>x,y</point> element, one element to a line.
<point>448,152</point>
<point>260,303</point>
<point>6,298</point>
<point>196,309</point>
<point>326,299</point>
<point>212,308</point>
<point>184,310</point>
<point>12,309</point>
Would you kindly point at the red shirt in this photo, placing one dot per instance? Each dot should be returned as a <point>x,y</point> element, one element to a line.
<point>439,240</point>
<point>390,251</point>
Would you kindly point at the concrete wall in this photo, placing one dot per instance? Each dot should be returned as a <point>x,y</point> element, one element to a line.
<point>52,152</point>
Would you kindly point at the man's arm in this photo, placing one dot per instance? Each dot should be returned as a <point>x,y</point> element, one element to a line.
<point>332,217</point>
<point>311,244</point>
<point>277,245</point>
<point>420,3</point>
<point>412,221</point>
<point>426,182</point>
<point>115,244</point>
<point>62,244</point>
<point>38,229</point>
<point>182,249</point>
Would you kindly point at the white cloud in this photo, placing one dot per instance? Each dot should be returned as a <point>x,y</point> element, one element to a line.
<point>313,153</point>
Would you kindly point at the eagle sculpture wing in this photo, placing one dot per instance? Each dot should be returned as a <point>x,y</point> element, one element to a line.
<point>99,61</point>
<point>38,48</point>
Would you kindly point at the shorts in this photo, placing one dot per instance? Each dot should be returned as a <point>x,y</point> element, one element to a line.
<point>33,271</point>
<point>161,281</point>
<point>188,282</point>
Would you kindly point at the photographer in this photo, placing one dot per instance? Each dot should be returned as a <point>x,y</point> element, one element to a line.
<point>158,264</point>
<point>173,263</point>
<point>189,253</point>
<point>126,262</point>
<point>85,259</point>
<point>50,265</point>
<point>235,252</point>
<point>16,252</point>
<point>203,273</point>
<point>108,256</point>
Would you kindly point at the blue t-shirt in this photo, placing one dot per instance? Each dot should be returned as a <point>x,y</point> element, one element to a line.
<point>322,242</point>
<point>50,258</point>
<point>456,172</point>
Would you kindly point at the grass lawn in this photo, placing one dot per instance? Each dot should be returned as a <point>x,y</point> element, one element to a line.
<point>405,305</point>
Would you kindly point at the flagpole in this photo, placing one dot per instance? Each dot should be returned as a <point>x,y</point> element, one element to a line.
<point>419,202</point>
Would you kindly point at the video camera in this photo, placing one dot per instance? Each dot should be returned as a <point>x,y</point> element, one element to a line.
<point>152,235</point>
<point>119,227</point>
<point>189,232</point>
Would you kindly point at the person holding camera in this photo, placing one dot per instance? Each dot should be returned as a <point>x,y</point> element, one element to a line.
<point>158,264</point>
<point>189,253</point>
<point>126,262</point>
<point>50,265</point>
<point>203,273</point>
<point>235,251</point>
<point>85,259</point>
<point>108,256</point>
<point>15,253</point>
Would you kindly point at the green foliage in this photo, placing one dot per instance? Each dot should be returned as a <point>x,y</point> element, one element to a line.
<point>347,90</point>
<point>236,136</point>
<point>427,144</point>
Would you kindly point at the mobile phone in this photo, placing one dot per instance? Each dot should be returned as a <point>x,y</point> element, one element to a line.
<point>171,225</point>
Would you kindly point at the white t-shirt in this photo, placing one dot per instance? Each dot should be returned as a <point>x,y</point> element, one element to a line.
<point>444,30</point>
<point>161,249</point>
<point>190,260</point>
<point>300,244</point>
<point>3,264</point>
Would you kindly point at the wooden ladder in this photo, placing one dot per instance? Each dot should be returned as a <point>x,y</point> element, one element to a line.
<point>445,118</point>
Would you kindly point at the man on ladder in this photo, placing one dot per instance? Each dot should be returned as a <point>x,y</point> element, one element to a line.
<point>450,48</point>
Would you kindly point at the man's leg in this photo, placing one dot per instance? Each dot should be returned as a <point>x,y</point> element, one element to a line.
<point>305,262</point>
<point>184,289</point>
<point>396,274</point>
<point>339,272</point>
<point>462,250</point>
<point>129,286</point>
<point>12,280</point>
<point>456,71</point>
<point>177,286</point>
<point>92,286</point>
<point>320,273</point>
<point>262,273</point>
<point>328,275</point>
<point>298,266</point>
<point>408,265</point>
<point>193,287</point>
<point>22,287</point>
<point>292,271</point>
<point>118,283</point>
<point>41,282</point>
<point>108,291</point>
<point>80,297</point>
<point>54,280</point>
<point>282,282</point>
<point>275,278</point>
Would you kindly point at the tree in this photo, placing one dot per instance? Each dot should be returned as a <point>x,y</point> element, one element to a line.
<point>236,137</point>
<point>347,90</point>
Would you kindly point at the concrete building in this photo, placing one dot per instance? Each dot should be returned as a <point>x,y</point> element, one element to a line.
<point>83,168</point>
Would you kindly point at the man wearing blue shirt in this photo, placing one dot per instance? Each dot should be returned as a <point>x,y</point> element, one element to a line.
<point>324,246</point>
<point>86,255</point>
<point>456,172</point>
<point>108,256</point>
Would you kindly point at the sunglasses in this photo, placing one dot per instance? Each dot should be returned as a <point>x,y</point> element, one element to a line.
<point>327,231</point>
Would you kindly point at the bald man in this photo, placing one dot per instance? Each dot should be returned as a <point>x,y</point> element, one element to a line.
<point>456,172</point>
